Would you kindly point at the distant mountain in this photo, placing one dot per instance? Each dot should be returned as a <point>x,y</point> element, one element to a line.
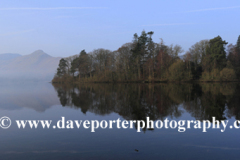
<point>35,66</point>
<point>8,56</point>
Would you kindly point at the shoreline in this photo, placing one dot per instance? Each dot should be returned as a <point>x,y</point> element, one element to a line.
<point>147,82</point>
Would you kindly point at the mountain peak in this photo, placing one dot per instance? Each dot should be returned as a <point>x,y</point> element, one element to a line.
<point>39,53</point>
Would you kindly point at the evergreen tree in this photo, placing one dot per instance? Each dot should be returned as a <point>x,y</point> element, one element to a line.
<point>83,53</point>
<point>216,52</point>
<point>140,52</point>
<point>80,64</point>
<point>62,68</point>
<point>74,65</point>
<point>238,45</point>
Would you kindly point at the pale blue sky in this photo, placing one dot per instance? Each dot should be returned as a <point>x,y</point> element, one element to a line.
<point>64,28</point>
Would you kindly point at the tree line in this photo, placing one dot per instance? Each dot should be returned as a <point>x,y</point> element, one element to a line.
<point>144,60</point>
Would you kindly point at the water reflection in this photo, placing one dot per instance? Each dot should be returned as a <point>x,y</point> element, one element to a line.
<point>157,101</point>
<point>27,95</point>
<point>39,101</point>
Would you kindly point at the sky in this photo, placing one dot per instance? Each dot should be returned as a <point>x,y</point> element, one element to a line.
<point>63,28</point>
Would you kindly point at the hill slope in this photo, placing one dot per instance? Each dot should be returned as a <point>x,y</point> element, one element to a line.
<point>35,66</point>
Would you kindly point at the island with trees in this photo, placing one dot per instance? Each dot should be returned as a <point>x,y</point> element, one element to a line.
<point>143,60</point>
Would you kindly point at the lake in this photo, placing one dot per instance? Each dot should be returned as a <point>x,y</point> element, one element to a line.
<point>44,101</point>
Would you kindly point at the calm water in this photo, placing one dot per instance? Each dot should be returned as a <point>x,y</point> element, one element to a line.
<point>125,101</point>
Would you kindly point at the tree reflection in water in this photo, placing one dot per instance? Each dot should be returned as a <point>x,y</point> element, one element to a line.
<point>157,101</point>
